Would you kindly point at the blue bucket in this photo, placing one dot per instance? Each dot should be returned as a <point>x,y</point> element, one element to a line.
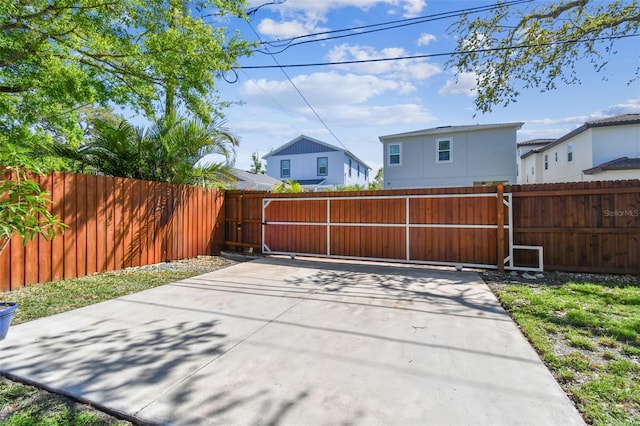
<point>6,313</point>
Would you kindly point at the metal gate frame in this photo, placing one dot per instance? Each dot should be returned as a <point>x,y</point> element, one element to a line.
<point>507,201</point>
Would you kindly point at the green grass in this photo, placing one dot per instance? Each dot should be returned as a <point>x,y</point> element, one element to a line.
<point>43,300</point>
<point>22,405</point>
<point>589,335</point>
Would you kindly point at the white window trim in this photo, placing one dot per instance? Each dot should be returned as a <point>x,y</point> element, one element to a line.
<point>281,174</point>
<point>389,154</point>
<point>450,140</point>
<point>569,153</point>
<point>318,166</point>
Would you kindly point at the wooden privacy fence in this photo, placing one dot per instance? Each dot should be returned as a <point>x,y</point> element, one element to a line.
<point>114,223</point>
<point>581,227</point>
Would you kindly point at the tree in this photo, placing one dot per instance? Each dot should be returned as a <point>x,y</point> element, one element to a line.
<point>59,55</point>
<point>23,204</point>
<point>512,49</point>
<point>288,186</point>
<point>171,150</point>
<point>257,166</point>
<point>378,181</point>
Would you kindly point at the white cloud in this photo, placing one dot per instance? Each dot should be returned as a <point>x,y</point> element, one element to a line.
<point>386,115</point>
<point>632,106</point>
<point>465,84</point>
<point>305,17</point>
<point>406,69</point>
<point>425,39</point>
<point>287,29</point>
<point>322,89</point>
<point>413,8</point>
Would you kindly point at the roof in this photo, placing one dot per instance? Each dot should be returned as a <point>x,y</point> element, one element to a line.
<point>253,181</point>
<point>327,147</point>
<point>617,120</point>
<point>534,142</point>
<point>452,129</point>
<point>622,163</point>
<point>311,181</point>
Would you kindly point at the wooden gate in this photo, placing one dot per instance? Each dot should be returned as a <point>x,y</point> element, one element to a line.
<point>456,229</point>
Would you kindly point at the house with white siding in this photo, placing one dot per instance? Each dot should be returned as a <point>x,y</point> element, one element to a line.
<point>451,156</point>
<point>316,164</point>
<point>604,149</point>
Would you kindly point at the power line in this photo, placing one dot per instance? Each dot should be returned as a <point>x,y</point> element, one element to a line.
<point>300,93</point>
<point>435,55</point>
<point>287,43</point>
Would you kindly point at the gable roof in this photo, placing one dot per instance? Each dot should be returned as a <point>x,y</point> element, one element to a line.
<point>310,145</point>
<point>452,129</point>
<point>617,120</point>
<point>253,181</point>
<point>622,163</point>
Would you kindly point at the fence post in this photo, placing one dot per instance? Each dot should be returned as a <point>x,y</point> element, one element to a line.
<point>500,223</point>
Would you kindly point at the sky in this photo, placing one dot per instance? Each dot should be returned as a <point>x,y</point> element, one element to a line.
<point>358,103</point>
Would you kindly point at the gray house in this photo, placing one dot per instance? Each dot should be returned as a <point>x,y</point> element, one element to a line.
<point>316,164</point>
<point>476,155</point>
<point>250,181</point>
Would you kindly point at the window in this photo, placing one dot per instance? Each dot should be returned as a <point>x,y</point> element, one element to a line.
<point>349,167</point>
<point>358,170</point>
<point>444,151</point>
<point>556,157</point>
<point>395,153</point>
<point>546,161</point>
<point>285,168</point>
<point>533,172</point>
<point>570,152</point>
<point>366,173</point>
<point>517,169</point>
<point>323,167</point>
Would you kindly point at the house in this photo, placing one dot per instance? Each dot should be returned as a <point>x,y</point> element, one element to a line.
<point>316,164</point>
<point>249,181</point>
<point>473,155</point>
<point>529,162</point>
<point>604,149</point>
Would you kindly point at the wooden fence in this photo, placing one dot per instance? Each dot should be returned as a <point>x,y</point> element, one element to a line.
<point>582,227</point>
<point>114,223</point>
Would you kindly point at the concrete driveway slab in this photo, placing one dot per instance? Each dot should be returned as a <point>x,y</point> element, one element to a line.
<point>280,341</point>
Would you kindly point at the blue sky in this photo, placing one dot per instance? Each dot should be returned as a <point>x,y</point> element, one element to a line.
<point>360,102</point>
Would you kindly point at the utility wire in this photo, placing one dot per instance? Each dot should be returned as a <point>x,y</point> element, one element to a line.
<point>287,43</point>
<point>299,92</point>
<point>435,55</point>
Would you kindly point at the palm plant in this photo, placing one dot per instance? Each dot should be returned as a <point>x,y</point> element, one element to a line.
<point>171,150</point>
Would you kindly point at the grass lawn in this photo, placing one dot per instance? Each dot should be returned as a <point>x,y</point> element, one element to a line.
<point>589,336</point>
<point>26,405</point>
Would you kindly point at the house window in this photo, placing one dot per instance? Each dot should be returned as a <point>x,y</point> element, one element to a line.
<point>556,157</point>
<point>395,153</point>
<point>546,161</point>
<point>570,152</point>
<point>517,169</point>
<point>285,168</point>
<point>366,173</point>
<point>533,172</point>
<point>349,167</point>
<point>444,151</point>
<point>323,167</point>
<point>358,170</point>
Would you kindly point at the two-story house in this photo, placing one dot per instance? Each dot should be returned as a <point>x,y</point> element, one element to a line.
<point>316,164</point>
<point>481,154</point>
<point>604,149</point>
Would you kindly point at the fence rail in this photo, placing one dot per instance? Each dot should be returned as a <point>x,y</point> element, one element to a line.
<point>114,223</point>
<point>582,227</point>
